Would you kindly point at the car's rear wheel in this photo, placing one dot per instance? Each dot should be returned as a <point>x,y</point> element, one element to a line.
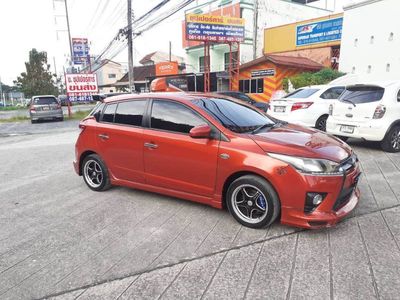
<point>391,142</point>
<point>321,123</point>
<point>95,173</point>
<point>252,201</point>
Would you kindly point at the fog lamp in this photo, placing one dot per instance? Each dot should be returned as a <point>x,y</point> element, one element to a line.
<point>313,200</point>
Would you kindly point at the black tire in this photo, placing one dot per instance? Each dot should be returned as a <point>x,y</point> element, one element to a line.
<point>94,168</point>
<point>321,123</point>
<point>391,142</point>
<point>251,185</point>
<point>343,138</point>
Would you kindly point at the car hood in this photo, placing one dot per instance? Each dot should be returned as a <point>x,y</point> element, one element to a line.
<point>300,141</point>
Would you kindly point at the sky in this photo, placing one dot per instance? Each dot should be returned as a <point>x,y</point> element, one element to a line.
<point>41,24</point>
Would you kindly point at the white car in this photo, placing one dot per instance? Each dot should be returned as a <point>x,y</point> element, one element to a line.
<point>307,106</point>
<point>370,112</point>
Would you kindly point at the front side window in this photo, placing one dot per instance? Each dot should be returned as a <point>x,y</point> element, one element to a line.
<point>130,112</point>
<point>234,116</point>
<point>109,112</point>
<point>172,116</point>
<point>362,94</point>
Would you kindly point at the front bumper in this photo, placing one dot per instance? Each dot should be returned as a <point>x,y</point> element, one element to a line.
<point>342,197</point>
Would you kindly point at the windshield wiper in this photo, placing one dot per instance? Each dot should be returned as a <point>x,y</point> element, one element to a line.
<point>349,101</point>
<point>267,125</point>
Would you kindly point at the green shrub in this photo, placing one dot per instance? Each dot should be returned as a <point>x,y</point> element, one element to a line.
<point>323,76</point>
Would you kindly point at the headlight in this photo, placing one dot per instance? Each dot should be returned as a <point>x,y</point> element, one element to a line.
<point>310,165</point>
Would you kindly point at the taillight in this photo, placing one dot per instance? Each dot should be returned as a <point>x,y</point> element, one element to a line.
<point>379,111</point>
<point>32,108</point>
<point>58,105</point>
<point>330,109</point>
<point>301,105</point>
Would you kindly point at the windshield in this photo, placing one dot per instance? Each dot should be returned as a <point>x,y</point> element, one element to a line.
<point>302,93</point>
<point>364,94</point>
<point>44,100</point>
<point>234,116</point>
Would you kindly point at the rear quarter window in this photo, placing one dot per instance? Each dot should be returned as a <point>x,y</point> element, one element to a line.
<point>302,93</point>
<point>362,94</point>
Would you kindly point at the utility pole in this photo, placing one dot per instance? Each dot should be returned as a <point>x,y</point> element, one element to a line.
<point>170,46</point>
<point>255,29</point>
<point>130,49</point>
<point>69,32</point>
<point>1,93</point>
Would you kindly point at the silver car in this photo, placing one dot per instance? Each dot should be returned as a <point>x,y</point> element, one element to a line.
<point>45,107</point>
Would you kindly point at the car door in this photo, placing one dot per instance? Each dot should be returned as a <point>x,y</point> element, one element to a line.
<point>172,158</point>
<point>120,139</point>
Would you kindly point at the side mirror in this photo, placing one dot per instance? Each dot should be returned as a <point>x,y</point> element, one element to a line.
<point>200,132</point>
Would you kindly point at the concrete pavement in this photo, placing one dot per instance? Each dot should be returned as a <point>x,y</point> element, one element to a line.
<point>58,238</point>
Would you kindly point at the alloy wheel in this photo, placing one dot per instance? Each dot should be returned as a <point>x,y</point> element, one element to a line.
<point>249,203</point>
<point>395,139</point>
<point>93,173</point>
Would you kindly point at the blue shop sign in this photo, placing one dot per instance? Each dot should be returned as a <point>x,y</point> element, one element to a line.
<point>319,32</point>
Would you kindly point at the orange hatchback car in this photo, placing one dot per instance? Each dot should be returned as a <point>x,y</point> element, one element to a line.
<point>219,152</point>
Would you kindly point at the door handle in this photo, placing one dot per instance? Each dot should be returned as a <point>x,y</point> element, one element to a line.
<point>103,136</point>
<point>151,145</point>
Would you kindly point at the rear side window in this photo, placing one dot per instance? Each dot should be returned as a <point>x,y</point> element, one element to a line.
<point>362,94</point>
<point>130,112</point>
<point>44,100</point>
<point>302,93</point>
<point>171,116</point>
<point>108,114</point>
<point>332,93</point>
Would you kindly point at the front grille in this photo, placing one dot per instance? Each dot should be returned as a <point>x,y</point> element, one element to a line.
<point>343,198</point>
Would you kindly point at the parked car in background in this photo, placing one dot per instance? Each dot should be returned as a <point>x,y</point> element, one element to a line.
<point>368,111</point>
<point>220,152</point>
<point>45,107</point>
<point>246,98</point>
<point>307,106</point>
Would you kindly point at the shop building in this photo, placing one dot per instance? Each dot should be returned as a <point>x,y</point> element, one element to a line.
<point>258,15</point>
<point>318,39</point>
<point>263,76</point>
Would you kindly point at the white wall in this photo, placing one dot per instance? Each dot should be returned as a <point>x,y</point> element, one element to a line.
<point>377,59</point>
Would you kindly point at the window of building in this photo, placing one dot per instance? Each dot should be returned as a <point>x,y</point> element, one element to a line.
<point>387,67</point>
<point>369,69</point>
<point>253,86</point>
<point>172,116</point>
<point>130,112</point>
<point>355,42</point>
<point>112,76</point>
<point>109,112</point>
<point>398,96</point>
<point>353,70</point>
<point>226,60</point>
<point>201,63</point>
<point>371,41</point>
<point>391,35</point>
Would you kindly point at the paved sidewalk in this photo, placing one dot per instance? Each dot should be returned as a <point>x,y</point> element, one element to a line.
<point>58,237</point>
<point>359,259</point>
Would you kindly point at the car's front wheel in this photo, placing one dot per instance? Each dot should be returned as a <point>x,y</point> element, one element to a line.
<point>391,142</point>
<point>95,173</point>
<point>252,201</point>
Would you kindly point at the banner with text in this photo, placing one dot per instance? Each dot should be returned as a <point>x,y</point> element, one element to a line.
<point>214,28</point>
<point>319,32</point>
<point>81,87</point>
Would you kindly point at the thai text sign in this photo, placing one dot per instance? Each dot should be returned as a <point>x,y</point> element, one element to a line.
<point>214,28</point>
<point>80,87</point>
<point>319,32</point>
<point>80,49</point>
<point>166,68</point>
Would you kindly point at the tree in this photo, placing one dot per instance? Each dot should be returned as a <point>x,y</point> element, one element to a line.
<point>323,76</point>
<point>37,80</point>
